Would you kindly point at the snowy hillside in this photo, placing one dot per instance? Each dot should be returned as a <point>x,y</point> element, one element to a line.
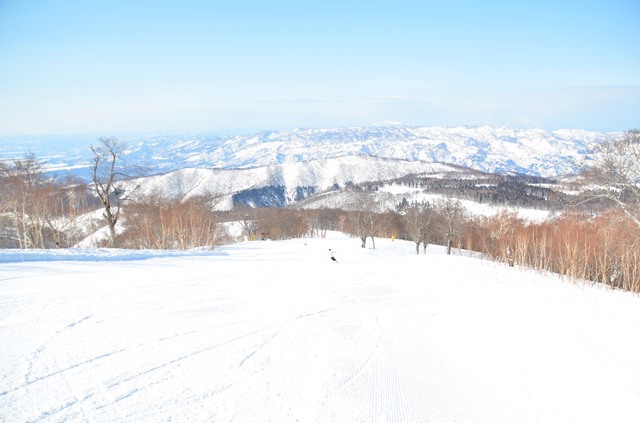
<point>275,331</point>
<point>297,179</point>
<point>347,183</point>
<point>489,149</point>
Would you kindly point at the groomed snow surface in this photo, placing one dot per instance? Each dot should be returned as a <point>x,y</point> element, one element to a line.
<point>276,331</point>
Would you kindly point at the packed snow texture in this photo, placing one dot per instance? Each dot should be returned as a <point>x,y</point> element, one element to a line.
<point>276,331</point>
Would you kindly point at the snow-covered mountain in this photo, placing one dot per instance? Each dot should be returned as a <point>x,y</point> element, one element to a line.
<point>354,183</point>
<point>282,184</point>
<point>490,149</point>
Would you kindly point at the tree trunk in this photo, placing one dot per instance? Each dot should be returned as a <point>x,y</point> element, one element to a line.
<point>111,223</point>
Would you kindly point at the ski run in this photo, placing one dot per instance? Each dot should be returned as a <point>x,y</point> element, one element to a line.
<point>272,331</point>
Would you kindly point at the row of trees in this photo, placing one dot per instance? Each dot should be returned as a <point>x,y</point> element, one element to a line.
<point>155,222</point>
<point>604,249</point>
<point>423,223</point>
<point>512,190</point>
<point>39,212</point>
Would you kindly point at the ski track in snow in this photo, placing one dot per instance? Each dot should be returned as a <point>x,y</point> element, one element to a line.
<point>274,331</point>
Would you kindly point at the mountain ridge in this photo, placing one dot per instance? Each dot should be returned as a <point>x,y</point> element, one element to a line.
<point>489,149</point>
<point>282,184</point>
<point>492,149</point>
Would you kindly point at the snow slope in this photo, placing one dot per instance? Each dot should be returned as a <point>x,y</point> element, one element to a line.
<point>274,331</point>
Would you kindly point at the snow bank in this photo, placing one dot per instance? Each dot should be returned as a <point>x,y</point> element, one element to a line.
<point>94,254</point>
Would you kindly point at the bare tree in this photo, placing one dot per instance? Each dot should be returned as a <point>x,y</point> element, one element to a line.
<point>388,224</point>
<point>417,220</point>
<point>107,181</point>
<point>364,224</point>
<point>312,221</point>
<point>330,219</point>
<point>22,187</point>
<point>357,221</point>
<point>617,171</point>
<point>6,223</point>
<point>247,217</point>
<point>501,235</point>
<point>75,203</point>
<point>451,219</point>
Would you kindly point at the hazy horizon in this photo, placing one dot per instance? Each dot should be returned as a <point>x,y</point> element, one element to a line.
<point>140,68</point>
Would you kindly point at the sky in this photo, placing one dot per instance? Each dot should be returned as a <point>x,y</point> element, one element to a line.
<point>227,67</point>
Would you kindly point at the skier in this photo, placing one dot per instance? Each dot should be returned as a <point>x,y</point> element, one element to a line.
<point>331,256</point>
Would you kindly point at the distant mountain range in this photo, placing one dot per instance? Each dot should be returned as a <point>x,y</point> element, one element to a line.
<point>342,167</point>
<point>488,149</point>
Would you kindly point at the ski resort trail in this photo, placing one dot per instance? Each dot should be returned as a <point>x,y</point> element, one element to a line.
<point>274,331</point>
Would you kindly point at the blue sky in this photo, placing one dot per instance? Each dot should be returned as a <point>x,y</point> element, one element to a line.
<point>147,67</point>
